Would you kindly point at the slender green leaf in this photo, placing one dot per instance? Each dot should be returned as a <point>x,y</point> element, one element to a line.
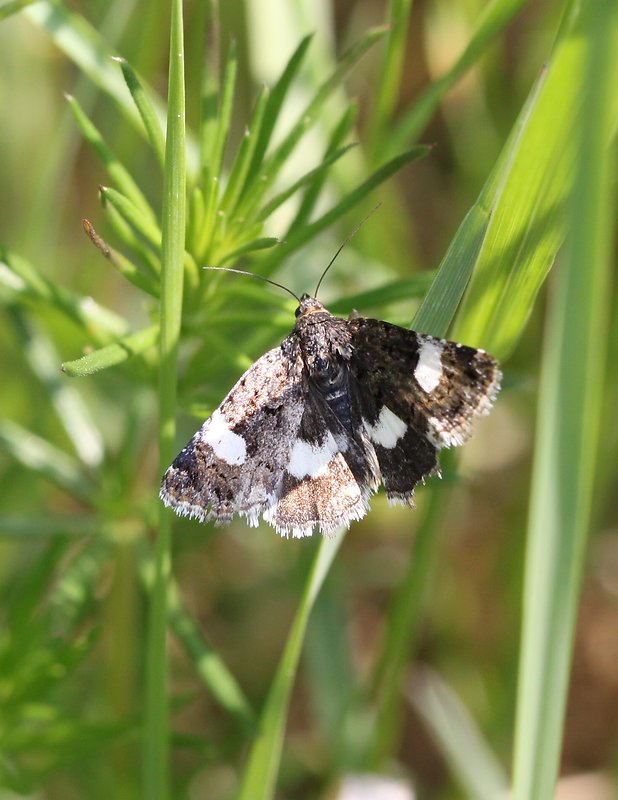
<point>388,86</point>
<point>313,176</point>
<point>301,235</point>
<point>209,665</point>
<point>240,168</point>
<point>259,778</point>
<point>495,16</point>
<point>117,172</point>
<point>274,163</point>
<point>147,111</point>
<point>145,224</point>
<point>43,458</point>
<point>68,404</point>
<point>20,277</point>
<point>263,243</point>
<point>472,761</point>
<point>273,109</point>
<point>112,354</point>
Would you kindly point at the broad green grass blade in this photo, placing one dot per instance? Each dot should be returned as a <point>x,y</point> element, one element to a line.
<point>406,289</point>
<point>569,411</point>
<point>156,723</point>
<point>444,296</point>
<point>526,197</point>
<point>472,762</point>
<point>258,782</point>
<point>495,17</point>
<point>112,354</point>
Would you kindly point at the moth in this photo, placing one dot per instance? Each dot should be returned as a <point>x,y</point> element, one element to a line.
<point>313,428</point>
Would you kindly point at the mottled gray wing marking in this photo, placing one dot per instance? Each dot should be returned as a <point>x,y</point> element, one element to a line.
<point>236,461</point>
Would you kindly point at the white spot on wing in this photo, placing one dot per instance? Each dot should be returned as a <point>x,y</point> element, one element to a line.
<point>308,459</point>
<point>387,430</point>
<point>429,367</point>
<point>227,445</point>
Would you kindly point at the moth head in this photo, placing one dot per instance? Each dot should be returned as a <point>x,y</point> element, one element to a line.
<point>309,305</point>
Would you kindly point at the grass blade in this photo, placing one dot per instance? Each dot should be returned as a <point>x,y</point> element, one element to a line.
<point>43,458</point>
<point>569,413</point>
<point>299,236</point>
<point>119,174</point>
<point>472,761</point>
<point>260,775</point>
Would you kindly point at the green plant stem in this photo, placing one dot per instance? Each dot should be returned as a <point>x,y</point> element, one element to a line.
<point>156,729</point>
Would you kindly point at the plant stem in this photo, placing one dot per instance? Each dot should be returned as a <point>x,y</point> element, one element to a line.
<point>156,729</point>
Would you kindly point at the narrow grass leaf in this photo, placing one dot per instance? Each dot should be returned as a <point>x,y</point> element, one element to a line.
<point>472,762</point>
<point>314,189</point>
<point>117,172</point>
<point>259,778</point>
<point>274,163</point>
<point>43,458</point>
<point>139,278</point>
<point>495,16</point>
<point>570,403</point>
<point>13,7</point>
<point>389,78</point>
<point>393,292</point>
<point>240,167</point>
<point>72,412</point>
<point>112,354</point>
<point>147,111</point>
<point>298,237</point>
<point>262,243</point>
<point>273,109</point>
<point>209,665</point>
<point>213,160</point>
<point>20,277</point>
<point>310,178</point>
<point>145,224</point>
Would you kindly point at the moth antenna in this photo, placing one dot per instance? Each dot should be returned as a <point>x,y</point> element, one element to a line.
<point>343,244</point>
<point>255,275</point>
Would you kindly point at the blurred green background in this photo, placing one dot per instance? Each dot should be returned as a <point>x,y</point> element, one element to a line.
<point>78,456</point>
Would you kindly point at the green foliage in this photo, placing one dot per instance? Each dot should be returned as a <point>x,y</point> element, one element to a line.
<point>223,173</point>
